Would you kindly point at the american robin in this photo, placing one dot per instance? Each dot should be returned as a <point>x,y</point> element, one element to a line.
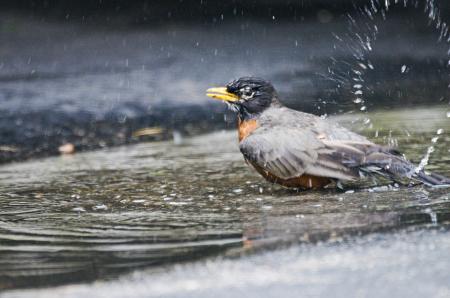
<point>301,150</point>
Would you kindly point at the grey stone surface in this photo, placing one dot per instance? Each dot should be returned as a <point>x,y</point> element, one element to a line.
<point>94,84</point>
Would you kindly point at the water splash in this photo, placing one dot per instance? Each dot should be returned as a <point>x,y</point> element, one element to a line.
<point>424,161</point>
<point>360,39</point>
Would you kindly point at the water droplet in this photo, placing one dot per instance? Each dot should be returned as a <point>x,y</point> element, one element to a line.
<point>403,68</point>
<point>358,100</point>
<point>100,207</point>
<point>138,201</point>
<point>439,131</point>
<point>79,209</point>
<point>178,203</point>
<point>424,160</point>
<point>363,108</point>
<point>363,66</point>
<point>177,137</point>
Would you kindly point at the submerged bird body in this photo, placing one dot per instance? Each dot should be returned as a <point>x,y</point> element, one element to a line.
<point>301,150</point>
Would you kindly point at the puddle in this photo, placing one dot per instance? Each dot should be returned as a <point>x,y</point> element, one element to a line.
<point>99,214</point>
<point>406,264</point>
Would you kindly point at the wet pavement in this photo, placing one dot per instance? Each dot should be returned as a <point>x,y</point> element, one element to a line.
<point>177,212</point>
<point>97,215</point>
<point>95,85</point>
<point>405,264</point>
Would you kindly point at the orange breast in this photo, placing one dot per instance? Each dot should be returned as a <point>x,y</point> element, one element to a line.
<point>246,127</point>
<point>303,181</point>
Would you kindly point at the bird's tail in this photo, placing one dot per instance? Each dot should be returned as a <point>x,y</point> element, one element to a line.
<point>391,164</point>
<point>432,178</point>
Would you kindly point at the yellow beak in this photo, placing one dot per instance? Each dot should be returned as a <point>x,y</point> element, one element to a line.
<point>222,94</point>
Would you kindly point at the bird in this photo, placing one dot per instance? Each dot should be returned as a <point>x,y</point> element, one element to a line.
<point>305,151</point>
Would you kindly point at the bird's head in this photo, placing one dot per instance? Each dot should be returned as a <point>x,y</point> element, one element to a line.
<point>248,95</point>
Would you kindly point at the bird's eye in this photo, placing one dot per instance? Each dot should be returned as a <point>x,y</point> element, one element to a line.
<point>246,93</point>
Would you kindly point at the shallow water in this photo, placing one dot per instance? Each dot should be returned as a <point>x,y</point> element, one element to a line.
<point>405,264</point>
<point>95,215</point>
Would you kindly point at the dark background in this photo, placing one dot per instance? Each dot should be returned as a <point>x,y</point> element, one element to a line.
<point>93,73</point>
<point>146,11</point>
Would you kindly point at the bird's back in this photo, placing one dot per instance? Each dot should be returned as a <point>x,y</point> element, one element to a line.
<point>304,123</point>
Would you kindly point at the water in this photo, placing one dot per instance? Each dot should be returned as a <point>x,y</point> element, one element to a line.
<point>406,264</point>
<point>367,71</point>
<point>187,217</point>
<point>96,215</point>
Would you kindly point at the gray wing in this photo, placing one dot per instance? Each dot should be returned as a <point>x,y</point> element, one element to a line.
<point>289,153</point>
<point>289,144</point>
